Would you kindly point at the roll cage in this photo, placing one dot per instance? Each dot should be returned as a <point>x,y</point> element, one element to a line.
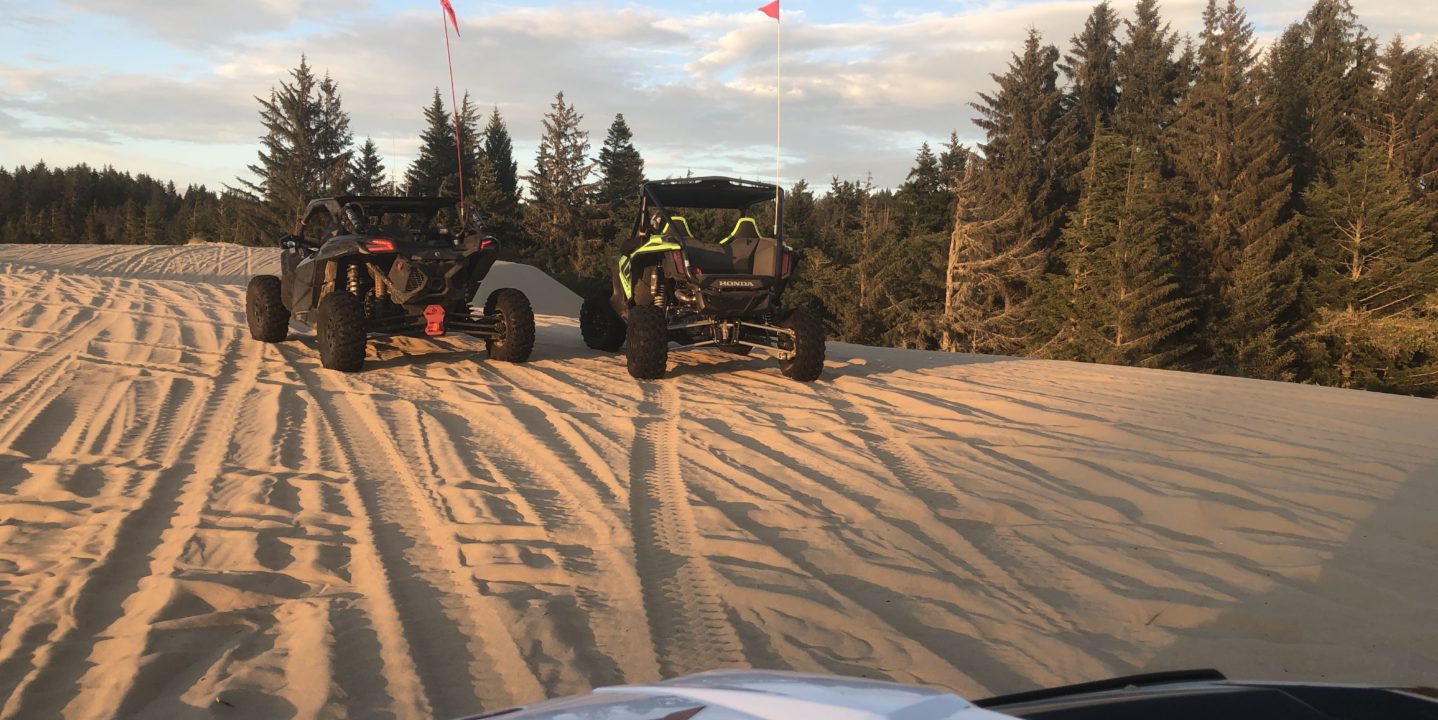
<point>657,197</point>
<point>326,212</point>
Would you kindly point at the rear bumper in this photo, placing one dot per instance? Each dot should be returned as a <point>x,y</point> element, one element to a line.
<point>424,326</point>
<point>732,296</point>
<point>444,277</point>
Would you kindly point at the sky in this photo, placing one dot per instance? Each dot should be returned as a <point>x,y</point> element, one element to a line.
<point>169,89</point>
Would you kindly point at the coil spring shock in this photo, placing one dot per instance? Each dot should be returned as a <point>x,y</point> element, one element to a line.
<point>352,280</point>
<point>660,301</point>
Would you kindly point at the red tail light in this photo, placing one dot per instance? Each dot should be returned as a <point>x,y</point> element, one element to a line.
<point>487,243</point>
<point>679,263</point>
<point>379,245</point>
<point>787,265</point>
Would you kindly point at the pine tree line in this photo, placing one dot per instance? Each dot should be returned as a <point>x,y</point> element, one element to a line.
<point>98,206</point>
<point>1138,198</point>
<point>1144,201</point>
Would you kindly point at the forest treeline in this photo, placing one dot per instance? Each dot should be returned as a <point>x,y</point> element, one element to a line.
<point>1139,197</point>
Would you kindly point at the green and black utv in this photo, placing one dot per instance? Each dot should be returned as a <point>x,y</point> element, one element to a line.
<point>723,292</point>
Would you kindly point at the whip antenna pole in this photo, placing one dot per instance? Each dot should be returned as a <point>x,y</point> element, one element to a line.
<point>772,10</point>
<point>447,18</point>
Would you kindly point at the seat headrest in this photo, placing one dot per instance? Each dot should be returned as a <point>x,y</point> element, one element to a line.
<point>681,222</point>
<point>745,229</point>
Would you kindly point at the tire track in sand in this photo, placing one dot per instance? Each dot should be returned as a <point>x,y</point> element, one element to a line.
<point>545,467</point>
<point>464,655</point>
<point>688,619</point>
<point>108,630</point>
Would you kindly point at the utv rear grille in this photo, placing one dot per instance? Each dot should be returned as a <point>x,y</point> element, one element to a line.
<point>416,279</point>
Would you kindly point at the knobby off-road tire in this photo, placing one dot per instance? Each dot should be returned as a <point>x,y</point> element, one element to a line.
<point>264,310</point>
<point>340,332</point>
<point>601,327</point>
<point>806,362</point>
<point>514,311</point>
<point>647,342</point>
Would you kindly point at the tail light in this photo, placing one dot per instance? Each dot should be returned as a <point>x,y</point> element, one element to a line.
<point>379,245</point>
<point>681,265</point>
<point>488,243</point>
<point>787,265</point>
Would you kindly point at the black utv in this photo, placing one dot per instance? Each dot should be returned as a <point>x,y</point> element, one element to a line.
<point>361,266</point>
<point>723,291</point>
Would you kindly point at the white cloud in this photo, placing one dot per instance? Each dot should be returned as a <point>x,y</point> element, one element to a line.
<point>697,89</point>
<point>201,22</point>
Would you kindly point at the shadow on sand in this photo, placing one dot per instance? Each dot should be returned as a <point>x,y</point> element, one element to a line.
<point>1370,616</point>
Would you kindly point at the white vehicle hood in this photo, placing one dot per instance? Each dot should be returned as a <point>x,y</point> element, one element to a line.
<point>757,695</point>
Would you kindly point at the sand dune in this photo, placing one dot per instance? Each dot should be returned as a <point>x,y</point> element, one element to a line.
<point>193,524</point>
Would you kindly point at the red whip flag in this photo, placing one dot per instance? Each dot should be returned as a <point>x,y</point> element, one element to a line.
<point>449,10</point>
<point>772,9</point>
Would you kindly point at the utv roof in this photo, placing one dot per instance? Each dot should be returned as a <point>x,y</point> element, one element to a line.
<point>710,192</point>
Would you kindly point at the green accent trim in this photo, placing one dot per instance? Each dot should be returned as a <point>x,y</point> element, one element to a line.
<point>682,222</point>
<point>656,244</point>
<point>624,280</point>
<point>740,224</point>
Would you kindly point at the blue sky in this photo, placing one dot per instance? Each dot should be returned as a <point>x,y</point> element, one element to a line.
<point>168,89</point>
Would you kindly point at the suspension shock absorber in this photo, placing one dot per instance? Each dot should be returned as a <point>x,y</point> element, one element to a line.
<point>656,289</point>
<point>352,280</point>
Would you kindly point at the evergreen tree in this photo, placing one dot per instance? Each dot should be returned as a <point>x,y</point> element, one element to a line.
<point>989,274</point>
<point>367,172</point>
<point>1020,122</point>
<point>1407,122</point>
<point>621,171</point>
<point>333,141</point>
<point>952,162</point>
<point>436,160</point>
<point>1091,66</point>
<point>1321,75</point>
<point>923,202</point>
<point>304,146</point>
<point>1011,214</point>
<point>864,273</point>
<point>1126,308</point>
<point>436,170</point>
<point>1376,279</point>
<point>1151,80</point>
<point>503,201</point>
<point>555,217</point>
<point>1234,187</point>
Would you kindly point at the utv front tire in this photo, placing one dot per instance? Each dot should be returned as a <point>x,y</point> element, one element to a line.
<point>516,316</point>
<point>340,332</point>
<point>806,360</point>
<point>264,310</point>
<point>647,342</point>
<point>601,327</point>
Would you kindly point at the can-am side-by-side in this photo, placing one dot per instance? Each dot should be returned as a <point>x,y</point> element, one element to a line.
<point>362,266</point>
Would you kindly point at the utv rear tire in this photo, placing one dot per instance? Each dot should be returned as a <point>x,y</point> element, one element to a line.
<point>340,332</point>
<point>264,310</point>
<point>806,362</point>
<point>647,342</point>
<point>601,327</point>
<point>517,342</point>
